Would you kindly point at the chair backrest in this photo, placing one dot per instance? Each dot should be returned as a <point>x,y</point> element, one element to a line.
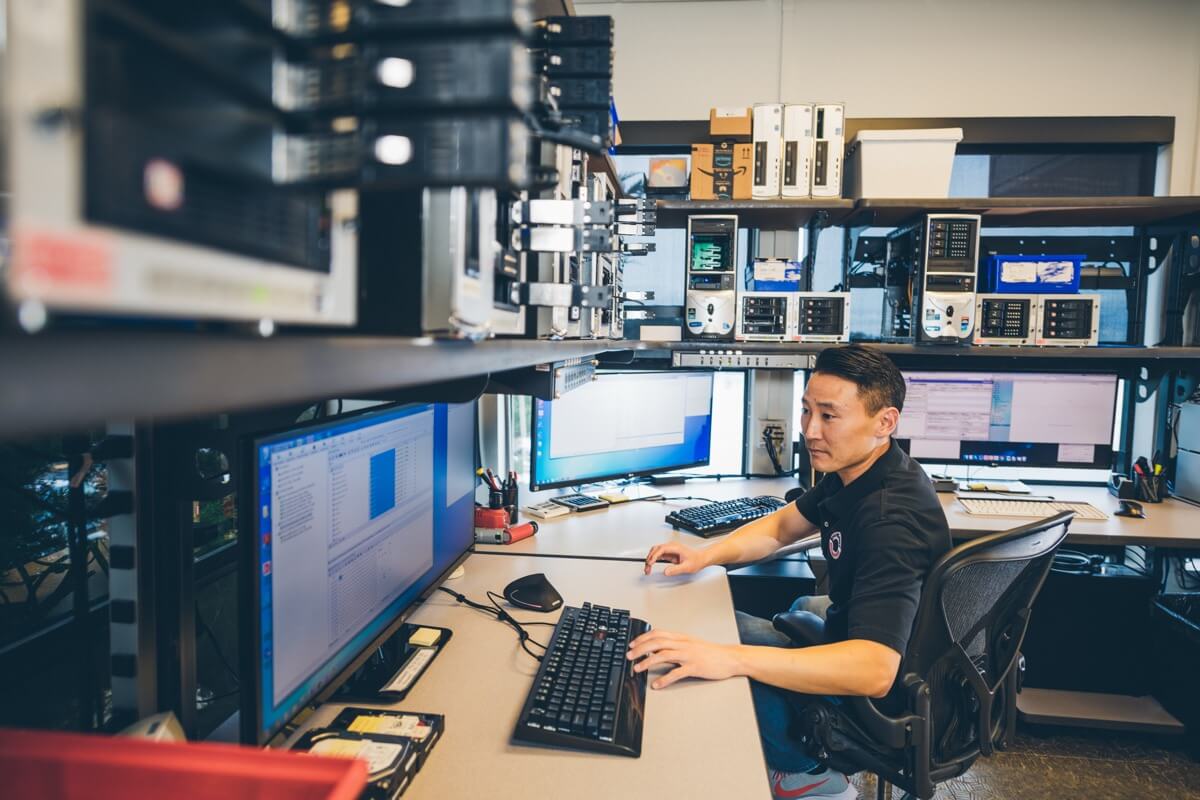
<point>967,635</point>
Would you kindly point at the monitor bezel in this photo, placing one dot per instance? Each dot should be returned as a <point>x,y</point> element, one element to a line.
<point>250,629</point>
<point>537,486</point>
<point>1097,463</point>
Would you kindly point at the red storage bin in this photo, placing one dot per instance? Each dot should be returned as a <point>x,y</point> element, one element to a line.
<point>66,766</point>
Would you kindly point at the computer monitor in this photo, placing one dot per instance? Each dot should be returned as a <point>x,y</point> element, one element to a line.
<point>621,425</point>
<point>1009,419</point>
<point>353,520</point>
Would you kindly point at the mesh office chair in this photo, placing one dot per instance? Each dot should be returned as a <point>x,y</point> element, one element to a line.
<point>960,672</point>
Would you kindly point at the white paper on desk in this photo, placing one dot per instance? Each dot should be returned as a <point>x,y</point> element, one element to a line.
<point>1076,453</point>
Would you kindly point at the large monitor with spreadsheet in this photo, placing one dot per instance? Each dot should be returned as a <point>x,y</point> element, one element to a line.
<point>1009,419</point>
<point>353,520</point>
<point>621,425</point>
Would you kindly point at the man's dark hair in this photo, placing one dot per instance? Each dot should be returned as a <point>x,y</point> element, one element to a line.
<point>879,383</point>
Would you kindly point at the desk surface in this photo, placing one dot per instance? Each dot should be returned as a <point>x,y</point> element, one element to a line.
<point>700,739</point>
<point>627,531</point>
<point>1171,523</point>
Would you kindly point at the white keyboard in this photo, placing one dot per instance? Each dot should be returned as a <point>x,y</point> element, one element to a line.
<point>1036,509</point>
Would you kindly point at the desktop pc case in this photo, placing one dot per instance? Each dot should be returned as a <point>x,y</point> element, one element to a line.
<point>768,139</point>
<point>710,292</point>
<point>829,145</point>
<point>930,280</point>
<point>797,150</point>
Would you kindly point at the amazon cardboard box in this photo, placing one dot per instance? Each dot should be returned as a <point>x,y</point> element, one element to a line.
<point>730,122</point>
<point>722,171</point>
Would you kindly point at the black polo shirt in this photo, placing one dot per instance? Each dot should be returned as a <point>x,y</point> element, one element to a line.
<point>880,536</point>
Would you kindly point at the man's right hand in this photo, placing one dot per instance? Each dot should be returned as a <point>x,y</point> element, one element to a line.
<point>683,560</point>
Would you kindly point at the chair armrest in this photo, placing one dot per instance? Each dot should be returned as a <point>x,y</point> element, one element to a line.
<point>804,628</point>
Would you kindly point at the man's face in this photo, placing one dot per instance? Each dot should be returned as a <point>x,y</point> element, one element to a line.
<point>839,430</point>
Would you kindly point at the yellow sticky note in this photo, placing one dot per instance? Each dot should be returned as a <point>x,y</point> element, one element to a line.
<point>425,637</point>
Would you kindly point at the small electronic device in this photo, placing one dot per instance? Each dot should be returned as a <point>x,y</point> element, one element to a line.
<point>1021,419</point>
<point>829,144</point>
<point>1006,319</point>
<point>353,520</point>
<point>710,290</point>
<point>547,510</point>
<point>533,592</point>
<point>797,150</point>
<point>580,502</point>
<point>823,316</point>
<point>711,519</point>
<point>766,317</point>
<point>589,645</point>
<point>1036,509</point>
<point>1069,320</point>
<point>601,431</point>
<point>736,359</point>
<point>768,139</point>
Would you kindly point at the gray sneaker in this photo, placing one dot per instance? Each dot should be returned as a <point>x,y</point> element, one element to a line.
<point>824,784</point>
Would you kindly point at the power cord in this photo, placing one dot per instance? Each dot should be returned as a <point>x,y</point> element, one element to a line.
<point>499,613</point>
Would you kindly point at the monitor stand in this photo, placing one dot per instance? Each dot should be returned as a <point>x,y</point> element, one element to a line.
<point>394,667</point>
<point>631,492</point>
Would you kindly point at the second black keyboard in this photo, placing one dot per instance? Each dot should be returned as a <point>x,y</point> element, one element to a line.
<point>586,695</point>
<point>713,518</point>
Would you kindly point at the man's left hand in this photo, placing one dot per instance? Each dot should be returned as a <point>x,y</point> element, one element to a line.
<point>695,658</point>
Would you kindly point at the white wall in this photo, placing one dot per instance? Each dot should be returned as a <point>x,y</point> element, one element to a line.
<point>917,58</point>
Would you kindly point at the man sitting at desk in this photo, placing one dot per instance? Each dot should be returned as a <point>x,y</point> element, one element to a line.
<point>881,527</point>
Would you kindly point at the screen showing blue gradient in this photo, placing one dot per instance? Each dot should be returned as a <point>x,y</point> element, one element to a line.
<point>355,519</point>
<point>621,425</point>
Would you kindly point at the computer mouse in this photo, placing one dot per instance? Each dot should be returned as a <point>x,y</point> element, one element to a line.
<point>1130,508</point>
<point>533,592</point>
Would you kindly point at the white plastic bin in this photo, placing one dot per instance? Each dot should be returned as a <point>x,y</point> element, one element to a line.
<point>902,163</point>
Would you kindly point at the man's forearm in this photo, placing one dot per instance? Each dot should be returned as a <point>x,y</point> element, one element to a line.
<point>857,667</point>
<point>753,541</point>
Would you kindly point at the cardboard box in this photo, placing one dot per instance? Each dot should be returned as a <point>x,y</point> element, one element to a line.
<point>729,122</point>
<point>729,179</point>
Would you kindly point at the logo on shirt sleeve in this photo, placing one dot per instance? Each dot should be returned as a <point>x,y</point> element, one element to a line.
<point>835,544</point>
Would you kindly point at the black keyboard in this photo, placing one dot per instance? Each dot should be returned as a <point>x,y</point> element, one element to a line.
<point>713,518</point>
<point>586,695</point>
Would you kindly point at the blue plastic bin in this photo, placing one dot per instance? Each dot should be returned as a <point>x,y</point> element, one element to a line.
<point>1056,274</point>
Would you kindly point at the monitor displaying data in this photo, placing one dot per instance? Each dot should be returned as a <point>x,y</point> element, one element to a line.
<point>1009,419</point>
<point>354,519</point>
<point>621,425</point>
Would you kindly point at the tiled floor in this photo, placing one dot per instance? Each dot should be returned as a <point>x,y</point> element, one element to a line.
<point>1066,765</point>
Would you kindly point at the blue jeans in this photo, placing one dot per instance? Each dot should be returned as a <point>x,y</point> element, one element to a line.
<point>777,708</point>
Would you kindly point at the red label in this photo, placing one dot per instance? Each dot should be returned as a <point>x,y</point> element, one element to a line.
<point>53,259</point>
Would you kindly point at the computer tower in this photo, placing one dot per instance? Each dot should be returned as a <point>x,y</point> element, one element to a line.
<point>1006,319</point>
<point>768,140</point>
<point>710,289</point>
<point>829,144</point>
<point>428,261</point>
<point>797,150</point>
<point>930,279</point>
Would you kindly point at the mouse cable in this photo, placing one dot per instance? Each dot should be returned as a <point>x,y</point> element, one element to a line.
<point>503,616</point>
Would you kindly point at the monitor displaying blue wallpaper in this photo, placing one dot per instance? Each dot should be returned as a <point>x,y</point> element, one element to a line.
<point>621,425</point>
<point>355,518</point>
